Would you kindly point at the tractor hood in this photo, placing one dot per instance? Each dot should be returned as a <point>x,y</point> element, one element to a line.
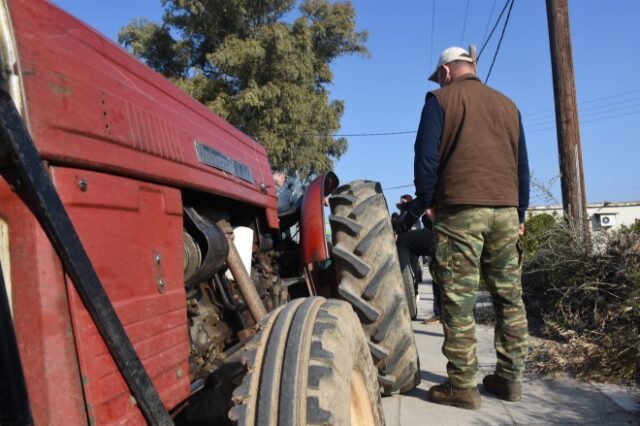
<point>90,104</point>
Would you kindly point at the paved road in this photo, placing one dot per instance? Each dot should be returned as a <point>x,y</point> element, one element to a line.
<point>554,402</point>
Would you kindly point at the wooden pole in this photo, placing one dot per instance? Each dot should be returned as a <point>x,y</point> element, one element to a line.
<point>564,88</point>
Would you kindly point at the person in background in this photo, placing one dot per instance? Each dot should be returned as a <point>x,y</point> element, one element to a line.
<point>471,169</point>
<point>414,258</point>
<point>414,243</point>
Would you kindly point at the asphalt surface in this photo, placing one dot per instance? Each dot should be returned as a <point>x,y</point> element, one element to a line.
<point>559,401</point>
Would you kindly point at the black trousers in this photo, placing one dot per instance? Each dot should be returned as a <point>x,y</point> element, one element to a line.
<point>412,244</point>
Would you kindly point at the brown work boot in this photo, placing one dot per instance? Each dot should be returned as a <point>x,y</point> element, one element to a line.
<point>509,390</point>
<point>447,394</point>
<point>434,318</point>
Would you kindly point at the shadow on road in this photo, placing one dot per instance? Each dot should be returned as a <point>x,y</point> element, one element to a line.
<point>428,333</point>
<point>420,393</point>
<point>426,376</point>
<point>417,393</point>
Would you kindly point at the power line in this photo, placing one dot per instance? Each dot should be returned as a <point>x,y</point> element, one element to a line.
<point>398,187</point>
<point>589,101</point>
<point>534,130</point>
<point>375,134</point>
<point>493,29</point>
<point>590,108</point>
<point>597,114</point>
<point>433,25</point>
<point>486,29</point>
<point>543,122</point>
<point>548,114</point>
<point>499,42</point>
<point>608,111</point>
<point>600,115</point>
<point>611,117</point>
<point>548,120</point>
<point>538,131</point>
<point>464,23</point>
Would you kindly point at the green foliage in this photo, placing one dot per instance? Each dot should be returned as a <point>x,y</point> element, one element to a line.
<point>155,45</point>
<point>265,75</point>
<point>537,228</point>
<point>628,229</point>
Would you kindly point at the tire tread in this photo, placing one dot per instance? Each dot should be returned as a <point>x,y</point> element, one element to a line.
<point>375,292</point>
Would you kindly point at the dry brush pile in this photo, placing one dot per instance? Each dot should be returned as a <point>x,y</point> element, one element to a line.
<point>585,297</point>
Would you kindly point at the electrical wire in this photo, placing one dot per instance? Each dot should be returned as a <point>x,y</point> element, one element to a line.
<point>376,134</point>
<point>581,110</point>
<point>581,114</point>
<point>529,127</point>
<point>464,22</point>
<point>486,29</point>
<point>599,115</point>
<point>587,121</point>
<point>493,29</point>
<point>504,28</point>
<point>534,122</point>
<point>549,114</point>
<point>398,187</point>
<point>433,25</point>
<point>589,101</point>
<point>539,131</point>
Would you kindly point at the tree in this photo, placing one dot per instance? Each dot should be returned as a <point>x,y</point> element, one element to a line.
<point>250,63</point>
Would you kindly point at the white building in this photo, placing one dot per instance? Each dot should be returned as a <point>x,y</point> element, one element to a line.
<point>607,215</point>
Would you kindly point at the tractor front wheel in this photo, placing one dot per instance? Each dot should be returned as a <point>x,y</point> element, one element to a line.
<point>308,364</point>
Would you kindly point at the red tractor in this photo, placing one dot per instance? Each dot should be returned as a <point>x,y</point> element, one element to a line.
<point>148,275</point>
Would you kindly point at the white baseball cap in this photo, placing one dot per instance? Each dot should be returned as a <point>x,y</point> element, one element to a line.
<point>449,55</point>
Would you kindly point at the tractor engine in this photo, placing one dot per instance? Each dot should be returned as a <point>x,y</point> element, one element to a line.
<point>218,316</point>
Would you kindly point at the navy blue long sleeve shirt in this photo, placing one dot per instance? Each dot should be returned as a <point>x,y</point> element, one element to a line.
<point>427,158</point>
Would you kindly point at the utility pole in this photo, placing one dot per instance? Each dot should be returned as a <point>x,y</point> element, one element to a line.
<point>564,88</point>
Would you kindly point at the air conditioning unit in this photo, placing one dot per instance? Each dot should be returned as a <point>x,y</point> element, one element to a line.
<point>607,220</point>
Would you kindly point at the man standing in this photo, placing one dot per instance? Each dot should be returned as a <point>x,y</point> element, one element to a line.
<point>471,169</point>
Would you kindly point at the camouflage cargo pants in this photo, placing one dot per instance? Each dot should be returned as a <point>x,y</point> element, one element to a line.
<point>470,240</point>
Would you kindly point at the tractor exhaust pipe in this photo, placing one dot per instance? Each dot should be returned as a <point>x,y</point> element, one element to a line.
<point>242,278</point>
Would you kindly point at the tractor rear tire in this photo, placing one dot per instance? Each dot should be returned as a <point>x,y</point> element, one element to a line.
<point>369,278</point>
<point>308,364</point>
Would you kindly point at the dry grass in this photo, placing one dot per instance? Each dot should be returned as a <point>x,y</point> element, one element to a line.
<point>585,299</point>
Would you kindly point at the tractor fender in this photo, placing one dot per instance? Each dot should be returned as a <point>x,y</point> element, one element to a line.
<point>313,240</point>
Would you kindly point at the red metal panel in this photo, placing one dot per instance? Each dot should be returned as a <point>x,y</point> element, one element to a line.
<point>91,104</point>
<point>41,318</point>
<point>123,224</point>
<point>312,233</point>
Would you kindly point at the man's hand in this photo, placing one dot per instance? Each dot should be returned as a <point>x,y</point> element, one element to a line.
<point>521,229</point>
<point>431,213</point>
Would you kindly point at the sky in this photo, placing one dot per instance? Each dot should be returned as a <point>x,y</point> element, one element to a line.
<point>384,93</point>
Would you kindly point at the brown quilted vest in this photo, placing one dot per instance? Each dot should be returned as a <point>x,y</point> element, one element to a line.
<point>478,146</point>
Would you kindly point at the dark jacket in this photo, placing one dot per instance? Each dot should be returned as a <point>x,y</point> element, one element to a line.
<point>470,149</point>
